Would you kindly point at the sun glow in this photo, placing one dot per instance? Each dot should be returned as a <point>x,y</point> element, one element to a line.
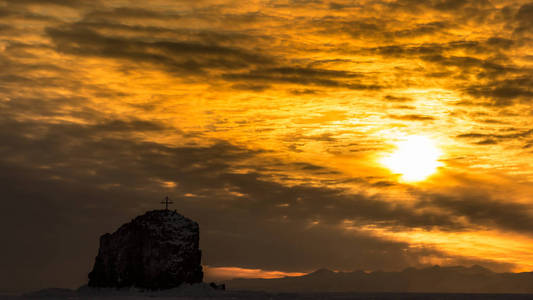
<point>416,157</point>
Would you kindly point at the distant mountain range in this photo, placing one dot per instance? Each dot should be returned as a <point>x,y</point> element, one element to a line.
<point>475,279</point>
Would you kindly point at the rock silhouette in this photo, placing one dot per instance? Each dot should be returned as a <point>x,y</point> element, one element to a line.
<point>158,250</point>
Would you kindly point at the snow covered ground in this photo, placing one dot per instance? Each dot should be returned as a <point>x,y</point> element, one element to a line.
<point>203,291</point>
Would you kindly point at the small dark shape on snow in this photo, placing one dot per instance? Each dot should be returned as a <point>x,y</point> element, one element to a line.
<point>220,287</point>
<point>158,250</point>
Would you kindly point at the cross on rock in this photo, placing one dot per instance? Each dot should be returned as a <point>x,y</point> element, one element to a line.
<point>166,202</point>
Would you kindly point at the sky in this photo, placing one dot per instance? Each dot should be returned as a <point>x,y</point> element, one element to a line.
<point>299,134</point>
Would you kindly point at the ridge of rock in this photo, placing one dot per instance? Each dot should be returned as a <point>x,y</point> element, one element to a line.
<point>157,250</point>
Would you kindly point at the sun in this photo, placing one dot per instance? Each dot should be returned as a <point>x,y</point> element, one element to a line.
<point>415,158</point>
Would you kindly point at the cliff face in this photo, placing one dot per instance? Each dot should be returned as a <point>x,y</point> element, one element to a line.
<point>157,250</point>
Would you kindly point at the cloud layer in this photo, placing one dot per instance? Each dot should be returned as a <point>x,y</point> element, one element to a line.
<point>265,122</point>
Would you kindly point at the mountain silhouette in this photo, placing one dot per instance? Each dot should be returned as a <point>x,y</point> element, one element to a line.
<point>436,279</point>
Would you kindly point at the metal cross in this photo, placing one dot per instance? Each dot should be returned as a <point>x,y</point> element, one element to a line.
<point>166,202</point>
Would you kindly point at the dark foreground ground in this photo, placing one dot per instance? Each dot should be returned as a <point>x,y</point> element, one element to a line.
<point>237,295</point>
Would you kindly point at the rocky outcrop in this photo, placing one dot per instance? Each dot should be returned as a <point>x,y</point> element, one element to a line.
<point>157,250</point>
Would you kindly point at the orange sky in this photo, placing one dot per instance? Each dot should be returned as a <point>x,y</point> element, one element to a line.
<point>268,122</point>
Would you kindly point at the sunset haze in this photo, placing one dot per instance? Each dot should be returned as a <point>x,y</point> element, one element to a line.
<point>300,134</point>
